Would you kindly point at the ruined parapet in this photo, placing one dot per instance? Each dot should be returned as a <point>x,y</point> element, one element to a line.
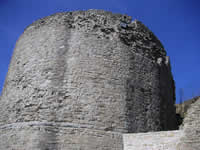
<point>182,108</point>
<point>191,128</point>
<point>85,75</point>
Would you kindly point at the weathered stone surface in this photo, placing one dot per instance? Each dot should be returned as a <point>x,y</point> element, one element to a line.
<point>182,108</point>
<point>89,68</point>
<point>57,136</point>
<point>165,140</point>
<point>191,128</point>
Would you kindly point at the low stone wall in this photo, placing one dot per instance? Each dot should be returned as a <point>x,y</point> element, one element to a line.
<point>165,140</point>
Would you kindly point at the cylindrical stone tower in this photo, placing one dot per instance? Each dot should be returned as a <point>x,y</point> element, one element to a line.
<point>77,80</point>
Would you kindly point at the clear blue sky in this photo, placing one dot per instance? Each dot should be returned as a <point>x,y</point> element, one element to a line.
<point>175,22</point>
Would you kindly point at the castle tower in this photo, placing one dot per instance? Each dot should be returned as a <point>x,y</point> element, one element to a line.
<point>77,80</point>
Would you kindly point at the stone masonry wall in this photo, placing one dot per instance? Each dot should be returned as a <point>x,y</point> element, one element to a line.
<point>90,69</point>
<point>187,138</point>
<point>165,140</point>
<point>191,128</point>
<point>56,136</point>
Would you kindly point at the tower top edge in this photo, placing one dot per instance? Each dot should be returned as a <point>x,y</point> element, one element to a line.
<point>130,32</point>
<point>86,13</point>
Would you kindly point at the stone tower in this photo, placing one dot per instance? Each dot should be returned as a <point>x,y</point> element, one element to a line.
<point>78,80</point>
